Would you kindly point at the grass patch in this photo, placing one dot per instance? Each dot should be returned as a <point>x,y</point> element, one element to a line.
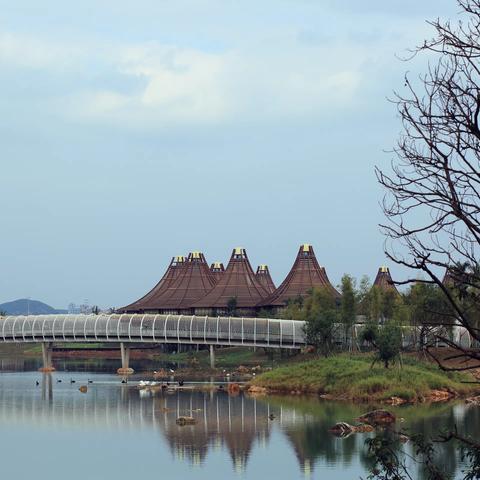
<point>351,377</point>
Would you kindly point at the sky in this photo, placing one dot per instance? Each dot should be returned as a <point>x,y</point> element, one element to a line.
<point>134,131</point>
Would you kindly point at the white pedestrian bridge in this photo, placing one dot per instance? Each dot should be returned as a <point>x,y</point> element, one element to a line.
<point>151,328</point>
<point>128,329</point>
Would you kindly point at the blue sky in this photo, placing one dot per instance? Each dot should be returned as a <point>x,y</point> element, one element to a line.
<point>134,131</point>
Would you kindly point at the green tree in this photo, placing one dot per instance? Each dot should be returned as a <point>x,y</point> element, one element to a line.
<point>429,313</point>
<point>388,342</point>
<point>232,306</point>
<point>369,332</point>
<point>320,314</point>
<point>375,304</point>
<point>363,294</point>
<point>389,299</point>
<point>294,309</point>
<point>348,307</point>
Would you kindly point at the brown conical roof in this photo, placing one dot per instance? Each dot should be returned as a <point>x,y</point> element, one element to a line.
<point>384,281</point>
<point>238,281</point>
<point>193,282</point>
<point>150,300</point>
<point>217,270</point>
<point>304,275</point>
<point>265,279</point>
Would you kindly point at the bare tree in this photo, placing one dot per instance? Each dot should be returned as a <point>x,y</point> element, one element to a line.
<point>432,201</point>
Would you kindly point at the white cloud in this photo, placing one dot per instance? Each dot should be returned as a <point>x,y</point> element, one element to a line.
<point>24,51</point>
<point>187,86</point>
<point>262,78</point>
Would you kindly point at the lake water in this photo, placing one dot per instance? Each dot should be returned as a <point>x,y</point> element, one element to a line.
<point>54,431</point>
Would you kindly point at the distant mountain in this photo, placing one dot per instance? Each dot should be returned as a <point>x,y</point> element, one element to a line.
<point>24,306</point>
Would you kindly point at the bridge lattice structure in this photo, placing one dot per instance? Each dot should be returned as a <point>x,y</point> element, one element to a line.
<point>153,328</point>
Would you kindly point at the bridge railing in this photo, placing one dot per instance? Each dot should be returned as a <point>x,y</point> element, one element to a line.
<point>153,328</point>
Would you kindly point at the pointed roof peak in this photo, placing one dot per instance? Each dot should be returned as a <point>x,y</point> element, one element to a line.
<point>217,270</point>
<point>237,281</point>
<point>305,274</point>
<point>263,276</point>
<point>383,280</point>
<point>239,253</point>
<point>196,257</point>
<point>150,300</point>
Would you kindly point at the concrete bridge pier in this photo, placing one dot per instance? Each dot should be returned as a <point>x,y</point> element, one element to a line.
<point>47,358</point>
<point>212,356</point>
<point>125,352</point>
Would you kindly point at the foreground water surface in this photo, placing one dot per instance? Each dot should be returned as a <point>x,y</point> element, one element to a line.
<point>54,431</point>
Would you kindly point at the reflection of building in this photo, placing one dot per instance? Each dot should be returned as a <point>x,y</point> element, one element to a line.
<point>234,423</point>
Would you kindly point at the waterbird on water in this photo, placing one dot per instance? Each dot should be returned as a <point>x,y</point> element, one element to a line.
<point>37,383</point>
<point>72,380</point>
<point>59,380</point>
<point>124,381</point>
<point>90,381</point>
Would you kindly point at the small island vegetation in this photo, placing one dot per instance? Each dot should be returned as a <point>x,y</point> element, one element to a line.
<point>352,377</point>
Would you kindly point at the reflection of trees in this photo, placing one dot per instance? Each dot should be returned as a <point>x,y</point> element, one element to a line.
<point>446,456</point>
<point>311,442</point>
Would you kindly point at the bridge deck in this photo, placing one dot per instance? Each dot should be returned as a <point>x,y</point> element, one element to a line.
<point>150,328</point>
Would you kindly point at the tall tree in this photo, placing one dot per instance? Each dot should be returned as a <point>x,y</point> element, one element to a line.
<point>348,308</point>
<point>375,304</point>
<point>363,292</point>
<point>432,201</point>
<point>389,300</point>
<point>320,314</point>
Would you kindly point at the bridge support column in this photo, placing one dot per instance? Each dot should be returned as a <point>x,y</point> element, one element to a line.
<point>47,357</point>
<point>212,356</point>
<point>125,352</point>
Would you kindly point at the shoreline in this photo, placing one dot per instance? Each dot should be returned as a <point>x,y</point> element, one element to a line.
<point>352,378</point>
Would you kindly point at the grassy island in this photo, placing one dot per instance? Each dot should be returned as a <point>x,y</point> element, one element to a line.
<point>352,378</point>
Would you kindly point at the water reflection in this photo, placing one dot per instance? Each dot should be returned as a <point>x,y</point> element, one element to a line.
<point>234,425</point>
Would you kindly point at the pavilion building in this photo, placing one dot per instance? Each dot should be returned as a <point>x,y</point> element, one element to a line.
<point>264,277</point>
<point>194,281</point>
<point>238,289</point>
<point>152,300</point>
<point>384,281</point>
<point>305,274</point>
